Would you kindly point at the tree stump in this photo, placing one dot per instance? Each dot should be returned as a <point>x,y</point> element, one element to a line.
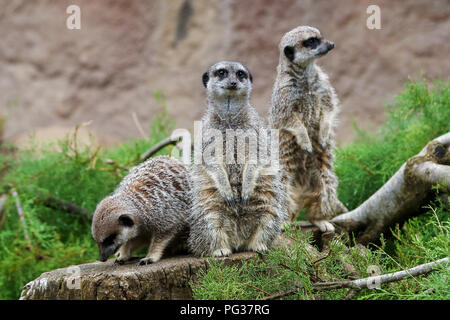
<point>167,279</point>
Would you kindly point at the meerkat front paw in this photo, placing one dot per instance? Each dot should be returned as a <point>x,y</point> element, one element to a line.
<point>258,247</point>
<point>230,200</point>
<point>121,258</point>
<point>306,146</point>
<point>324,226</point>
<point>224,252</point>
<point>145,261</point>
<point>245,197</point>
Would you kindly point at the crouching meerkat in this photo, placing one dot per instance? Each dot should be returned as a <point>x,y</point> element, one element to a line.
<point>149,207</point>
<point>236,205</point>
<point>304,108</point>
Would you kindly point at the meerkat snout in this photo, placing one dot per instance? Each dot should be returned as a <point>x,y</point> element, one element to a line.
<point>325,47</point>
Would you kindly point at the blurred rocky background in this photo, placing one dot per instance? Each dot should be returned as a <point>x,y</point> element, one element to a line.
<point>52,78</point>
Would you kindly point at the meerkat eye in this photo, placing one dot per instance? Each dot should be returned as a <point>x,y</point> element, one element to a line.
<point>109,240</point>
<point>222,73</point>
<point>241,75</point>
<point>311,42</point>
<point>126,221</point>
<point>289,52</point>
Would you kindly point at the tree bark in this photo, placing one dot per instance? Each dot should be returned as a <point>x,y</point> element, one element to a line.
<point>167,279</point>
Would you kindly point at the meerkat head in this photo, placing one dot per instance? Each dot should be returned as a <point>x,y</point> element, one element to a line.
<point>303,45</point>
<point>113,225</point>
<point>227,79</point>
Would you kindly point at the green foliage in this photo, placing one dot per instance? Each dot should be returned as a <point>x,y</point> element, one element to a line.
<point>420,113</point>
<point>284,268</point>
<point>83,175</point>
<point>65,170</point>
<point>423,239</point>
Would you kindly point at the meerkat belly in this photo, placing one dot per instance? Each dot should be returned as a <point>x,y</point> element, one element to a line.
<point>235,178</point>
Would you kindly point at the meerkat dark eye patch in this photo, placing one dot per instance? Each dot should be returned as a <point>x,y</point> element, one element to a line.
<point>221,73</point>
<point>126,220</point>
<point>205,79</point>
<point>289,52</point>
<point>312,42</point>
<point>109,240</point>
<point>241,75</point>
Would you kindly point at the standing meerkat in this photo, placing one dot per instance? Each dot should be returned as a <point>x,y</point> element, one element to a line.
<point>236,204</point>
<point>149,207</point>
<point>304,109</point>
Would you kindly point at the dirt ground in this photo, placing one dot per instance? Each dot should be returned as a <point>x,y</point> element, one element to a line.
<point>52,78</point>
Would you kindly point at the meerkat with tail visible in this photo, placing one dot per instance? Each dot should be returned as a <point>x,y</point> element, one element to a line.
<point>304,108</point>
<point>149,207</point>
<point>237,206</point>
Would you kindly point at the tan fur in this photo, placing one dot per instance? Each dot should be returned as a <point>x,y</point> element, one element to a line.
<point>149,207</point>
<point>304,108</point>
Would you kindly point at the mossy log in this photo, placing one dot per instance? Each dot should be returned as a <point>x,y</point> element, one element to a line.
<point>167,279</point>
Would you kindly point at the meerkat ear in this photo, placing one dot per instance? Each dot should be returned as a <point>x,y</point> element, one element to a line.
<point>250,76</point>
<point>289,52</point>
<point>205,79</point>
<point>126,220</point>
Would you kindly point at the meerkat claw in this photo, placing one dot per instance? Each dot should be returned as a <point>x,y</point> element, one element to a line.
<point>145,261</point>
<point>221,253</point>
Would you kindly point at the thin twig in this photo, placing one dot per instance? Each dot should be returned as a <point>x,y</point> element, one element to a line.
<point>284,293</point>
<point>362,166</point>
<point>322,258</point>
<point>67,206</point>
<point>257,288</point>
<point>20,213</point>
<point>164,143</point>
<point>3,199</point>
<point>138,125</point>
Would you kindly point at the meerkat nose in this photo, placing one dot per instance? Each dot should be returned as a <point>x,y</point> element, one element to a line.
<point>330,45</point>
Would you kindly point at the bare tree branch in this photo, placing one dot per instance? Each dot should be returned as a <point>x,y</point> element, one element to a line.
<point>67,206</point>
<point>385,278</point>
<point>164,143</point>
<point>358,284</point>
<point>402,195</point>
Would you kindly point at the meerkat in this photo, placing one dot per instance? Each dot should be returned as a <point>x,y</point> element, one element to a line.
<point>149,207</point>
<point>304,108</point>
<point>237,204</point>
